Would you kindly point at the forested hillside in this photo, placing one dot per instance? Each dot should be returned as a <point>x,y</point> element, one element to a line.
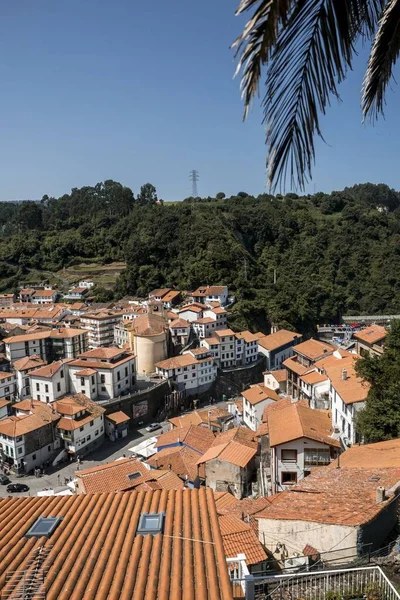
<point>332,254</point>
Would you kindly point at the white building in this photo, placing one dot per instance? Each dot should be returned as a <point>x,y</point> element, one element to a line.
<point>8,386</point>
<point>63,342</point>
<point>180,331</point>
<point>4,408</point>
<point>21,314</point>
<point>300,438</point>
<point>81,427</point>
<point>204,327</point>
<point>191,312</point>
<point>22,367</point>
<point>44,297</point>
<point>246,347</point>
<point>189,371</point>
<point>255,399</point>
<point>276,380</point>
<point>102,373</point>
<point>100,327</point>
<point>277,347</point>
<point>122,335</point>
<point>232,349</point>
<point>49,382</point>
<point>86,284</point>
<point>211,293</point>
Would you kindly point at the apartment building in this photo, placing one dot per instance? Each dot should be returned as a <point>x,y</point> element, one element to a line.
<point>232,349</point>
<point>370,340</point>
<point>211,293</point>
<point>255,399</point>
<point>8,386</point>
<point>22,367</point>
<point>189,371</point>
<point>81,426</point>
<point>100,327</point>
<point>49,345</point>
<point>305,356</point>
<point>49,382</point>
<point>180,331</point>
<point>277,347</point>
<point>44,297</point>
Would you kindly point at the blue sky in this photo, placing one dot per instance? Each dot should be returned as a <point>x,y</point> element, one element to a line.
<point>143,91</point>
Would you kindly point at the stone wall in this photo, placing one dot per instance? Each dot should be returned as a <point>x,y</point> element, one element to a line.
<point>231,382</point>
<point>154,397</point>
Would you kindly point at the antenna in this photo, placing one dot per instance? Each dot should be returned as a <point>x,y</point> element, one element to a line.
<point>194,177</point>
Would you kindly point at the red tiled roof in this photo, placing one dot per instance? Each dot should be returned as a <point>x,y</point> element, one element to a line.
<point>198,438</point>
<point>238,538</point>
<point>380,455</point>
<point>223,499</point>
<point>372,334</point>
<point>352,388</point>
<point>295,366</point>
<point>95,551</point>
<point>280,375</point>
<point>180,459</point>
<point>236,446</point>
<point>278,339</point>
<point>296,421</point>
<point>28,362</point>
<point>313,349</point>
<point>259,393</point>
<point>201,417</point>
<point>118,417</point>
<point>245,509</point>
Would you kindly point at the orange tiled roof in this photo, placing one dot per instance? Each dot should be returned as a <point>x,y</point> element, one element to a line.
<point>283,403</point>
<point>223,499</point>
<point>342,496</point>
<point>180,459</point>
<point>277,339</point>
<point>176,362</point>
<point>313,349</point>
<point>149,324</point>
<point>41,415</point>
<point>4,403</point>
<point>28,362</point>
<point>198,438</point>
<point>372,334</point>
<point>247,336</point>
<point>205,321</point>
<point>96,550</point>
<point>86,372</point>
<point>6,375</point>
<point>198,417</point>
<point>313,377</point>
<point>280,375</point>
<point>118,417</point>
<point>102,353</point>
<point>48,370</point>
<point>197,308</point>
<point>245,509</point>
<point>380,455</point>
<point>238,537</point>
<point>353,388</point>
<point>171,295</point>
<point>224,333</point>
<point>295,366</point>
<point>296,421</point>
<point>179,324</point>
<point>236,446</point>
<point>259,393</point>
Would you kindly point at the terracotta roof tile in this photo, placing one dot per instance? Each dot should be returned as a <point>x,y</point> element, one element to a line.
<point>246,509</point>
<point>202,417</point>
<point>236,446</point>
<point>280,375</point>
<point>40,415</point>
<point>181,460</point>
<point>351,389</point>
<point>277,339</point>
<point>313,349</point>
<point>95,550</point>
<point>313,378</point>
<point>380,455</point>
<point>372,334</point>
<point>102,353</point>
<point>197,438</point>
<point>247,336</point>
<point>118,417</point>
<point>296,421</point>
<point>223,499</point>
<point>28,362</point>
<point>224,333</point>
<point>179,324</point>
<point>149,324</point>
<point>259,393</point>
<point>342,496</point>
<point>238,538</point>
<point>48,370</point>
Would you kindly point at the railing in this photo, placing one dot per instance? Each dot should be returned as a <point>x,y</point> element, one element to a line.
<point>362,582</point>
<point>238,571</point>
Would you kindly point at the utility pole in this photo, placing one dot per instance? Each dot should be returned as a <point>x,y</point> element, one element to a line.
<point>245,268</point>
<point>274,276</point>
<point>194,178</point>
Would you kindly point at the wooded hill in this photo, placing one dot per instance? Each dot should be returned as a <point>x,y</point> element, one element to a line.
<point>332,254</point>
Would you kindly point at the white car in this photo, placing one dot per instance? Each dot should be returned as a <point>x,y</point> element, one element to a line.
<point>153,426</point>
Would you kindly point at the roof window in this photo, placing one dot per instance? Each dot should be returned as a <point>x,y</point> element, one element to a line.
<point>134,475</point>
<point>44,526</point>
<point>151,523</point>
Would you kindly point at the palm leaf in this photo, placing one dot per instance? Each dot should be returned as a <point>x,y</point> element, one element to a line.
<point>309,55</point>
<point>384,54</point>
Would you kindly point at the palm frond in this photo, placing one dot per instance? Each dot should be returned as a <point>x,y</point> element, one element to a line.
<point>255,42</point>
<point>384,53</point>
<point>308,54</point>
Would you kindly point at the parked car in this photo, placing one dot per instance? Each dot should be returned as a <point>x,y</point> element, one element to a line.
<point>153,426</point>
<point>4,480</point>
<point>17,487</point>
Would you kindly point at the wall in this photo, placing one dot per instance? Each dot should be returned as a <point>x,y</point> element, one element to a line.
<point>377,530</point>
<point>149,350</point>
<point>232,382</point>
<point>297,534</point>
<point>52,383</point>
<point>155,398</point>
<point>222,476</point>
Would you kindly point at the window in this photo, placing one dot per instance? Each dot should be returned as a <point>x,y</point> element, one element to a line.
<point>96,432</point>
<point>289,478</point>
<point>193,374</point>
<point>185,377</point>
<point>126,371</point>
<point>58,387</point>
<point>151,523</point>
<point>19,450</point>
<point>81,428</point>
<point>48,448</point>
<point>62,374</point>
<point>101,429</point>
<point>91,423</point>
<point>92,379</point>
<point>82,381</point>
<point>47,399</point>
<point>102,378</point>
<point>37,387</point>
<point>38,397</point>
<point>118,376</point>
<point>83,391</point>
<point>89,437</point>
<point>289,456</point>
<point>46,388</point>
<point>44,526</point>
<point>6,389</point>
<point>33,456</point>
<point>103,389</point>
<point>132,476</point>
<point>316,456</point>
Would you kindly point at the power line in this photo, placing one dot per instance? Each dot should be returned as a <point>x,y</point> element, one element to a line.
<point>194,178</point>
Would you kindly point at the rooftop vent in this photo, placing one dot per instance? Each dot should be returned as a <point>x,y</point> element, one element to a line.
<point>151,523</point>
<point>44,526</point>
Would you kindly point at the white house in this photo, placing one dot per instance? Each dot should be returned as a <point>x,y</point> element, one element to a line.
<point>255,399</point>
<point>86,284</point>
<point>299,438</point>
<point>227,348</point>
<point>232,349</point>
<point>314,387</point>
<point>189,371</point>
<point>78,294</point>
<point>211,293</point>
<point>63,342</point>
<point>102,373</point>
<point>276,380</point>
<point>50,382</point>
<point>100,326</point>
<point>246,347</point>
<point>8,386</point>
<point>277,347</point>
<point>22,367</point>
<point>81,427</point>
<point>44,297</point>
<point>347,394</point>
<point>204,327</point>
<point>180,331</point>
<point>191,312</point>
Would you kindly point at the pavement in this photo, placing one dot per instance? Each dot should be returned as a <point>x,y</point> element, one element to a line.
<point>108,452</point>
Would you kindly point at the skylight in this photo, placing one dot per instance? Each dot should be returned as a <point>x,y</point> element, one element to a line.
<point>151,523</point>
<point>44,526</point>
<point>134,475</point>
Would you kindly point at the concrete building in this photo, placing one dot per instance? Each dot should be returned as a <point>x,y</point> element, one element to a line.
<point>191,312</point>
<point>22,367</point>
<point>8,386</point>
<point>180,332</point>
<point>255,399</point>
<point>277,347</point>
<point>116,425</point>
<point>44,297</point>
<point>50,345</point>
<point>246,346</point>
<point>149,342</point>
<point>50,382</point>
<point>370,340</point>
<point>100,326</point>
<point>28,438</point>
<point>211,293</point>
<point>306,354</point>
<point>191,371</point>
<point>81,426</point>
<point>314,387</point>
<point>230,462</point>
<point>332,510</point>
<point>276,380</point>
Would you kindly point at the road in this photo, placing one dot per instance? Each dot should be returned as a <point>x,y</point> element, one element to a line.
<point>108,452</point>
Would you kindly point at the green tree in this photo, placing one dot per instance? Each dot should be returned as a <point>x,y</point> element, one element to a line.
<point>148,194</point>
<point>380,420</point>
<point>30,216</point>
<point>220,196</point>
<point>308,49</point>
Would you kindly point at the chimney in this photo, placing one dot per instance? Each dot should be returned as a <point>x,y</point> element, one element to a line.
<point>344,374</point>
<point>380,494</point>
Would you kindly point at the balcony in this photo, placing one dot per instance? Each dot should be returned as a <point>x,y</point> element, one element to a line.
<point>369,583</point>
